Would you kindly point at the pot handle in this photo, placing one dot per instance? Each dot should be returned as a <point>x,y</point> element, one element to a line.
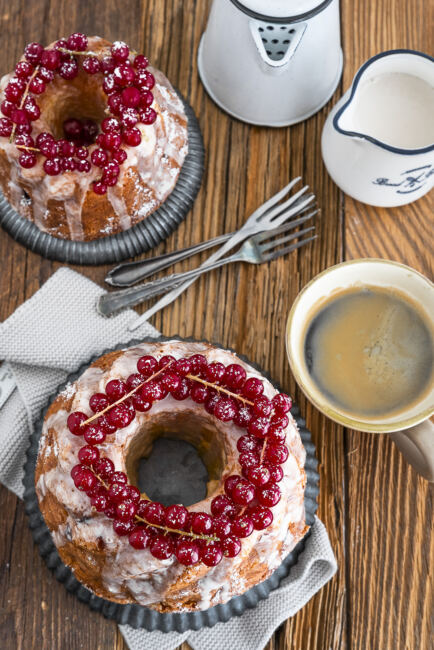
<point>417,445</point>
<point>269,65</point>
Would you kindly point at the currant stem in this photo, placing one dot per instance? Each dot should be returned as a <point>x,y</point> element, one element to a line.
<point>219,388</point>
<point>22,146</point>
<point>23,99</point>
<point>209,538</point>
<point>126,396</point>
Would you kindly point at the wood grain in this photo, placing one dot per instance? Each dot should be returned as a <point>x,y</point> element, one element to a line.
<point>378,512</point>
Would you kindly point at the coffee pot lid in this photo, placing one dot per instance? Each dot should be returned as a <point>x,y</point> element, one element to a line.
<point>280,10</point>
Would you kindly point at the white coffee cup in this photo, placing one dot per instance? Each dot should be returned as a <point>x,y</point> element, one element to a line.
<point>411,429</point>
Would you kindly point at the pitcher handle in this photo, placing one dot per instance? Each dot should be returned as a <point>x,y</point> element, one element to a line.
<point>267,64</point>
<point>417,445</point>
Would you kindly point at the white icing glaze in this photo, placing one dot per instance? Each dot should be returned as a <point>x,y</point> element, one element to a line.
<point>136,575</point>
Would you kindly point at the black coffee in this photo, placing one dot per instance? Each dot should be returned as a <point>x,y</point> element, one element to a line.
<point>370,351</point>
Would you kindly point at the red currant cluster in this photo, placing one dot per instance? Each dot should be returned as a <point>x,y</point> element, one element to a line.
<point>127,84</point>
<point>226,393</point>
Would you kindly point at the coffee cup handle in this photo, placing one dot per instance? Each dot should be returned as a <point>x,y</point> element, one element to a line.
<point>417,445</point>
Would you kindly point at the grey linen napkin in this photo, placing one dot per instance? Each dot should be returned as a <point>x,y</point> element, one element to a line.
<point>44,340</point>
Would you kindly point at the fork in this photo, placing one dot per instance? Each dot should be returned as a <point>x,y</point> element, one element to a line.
<point>129,273</point>
<point>268,216</point>
<point>253,251</point>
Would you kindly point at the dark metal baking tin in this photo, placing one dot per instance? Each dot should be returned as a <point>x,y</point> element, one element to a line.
<point>136,615</point>
<point>140,238</point>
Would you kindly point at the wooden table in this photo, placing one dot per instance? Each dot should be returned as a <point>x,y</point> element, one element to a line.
<point>377,510</point>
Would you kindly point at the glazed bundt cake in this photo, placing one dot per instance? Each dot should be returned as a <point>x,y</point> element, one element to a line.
<point>129,549</point>
<point>92,139</point>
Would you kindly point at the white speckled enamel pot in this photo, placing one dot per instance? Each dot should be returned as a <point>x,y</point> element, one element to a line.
<point>271,63</point>
<point>364,167</point>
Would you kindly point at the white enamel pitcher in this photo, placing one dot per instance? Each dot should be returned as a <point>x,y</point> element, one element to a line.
<point>378,141</point>
<point>271,62</point>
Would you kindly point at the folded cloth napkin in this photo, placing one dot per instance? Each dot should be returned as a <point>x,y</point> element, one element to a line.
<point>47,338</point>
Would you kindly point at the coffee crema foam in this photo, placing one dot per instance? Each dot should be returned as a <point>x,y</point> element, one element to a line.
<point>370,351</point>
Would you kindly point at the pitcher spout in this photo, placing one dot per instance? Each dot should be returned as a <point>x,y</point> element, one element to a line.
<point>390,103</point>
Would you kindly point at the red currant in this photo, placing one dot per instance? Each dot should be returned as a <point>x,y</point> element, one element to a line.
<point>98,402</point>
<point>51,59</point>
<point>282,403</point>
<point>23,70</point>
<point>170,380</point>
<point>234,376</point>
<point>187,552</point>
<point>91,65</point>
<point>139,538</point>
<point>243,416</point>
<point>75,421</point>
<point>5,127</point>
<point>276,454</point>
<point>183,390</point>
<point>215,372</point>
<point>221,505</point>
<point>33,53</point>
<point>120,415</point>
<point>230,483</point>
<point>94,435</point>
<point>147,365</point>
<point>198,362</point>
<point>258,427</point>
<point>118,492</point>
<point>120,51</point>
<point>123,527</point>
<point>126,510</point>
<point>141,62</point>
<point>258,475</point>
<point>262,406</point>
<point>276,472</point>
<point>116,389</point>
<point>221,526</point>
<point>153,512</point>
<point>252,388</point>
<point>225,409</point>
<point>68,69</point>
<point>104,468</point>
<point>85,480</point>
<point>77,42</point>
<point>242,526</point>
<point>199,393</point>
<point>261,517</point>
<point>269,495</point>
<point>243,493</point>
<point>231,546</point>
<point>132,137</point>
<point>176,516</point>
<point>201,523</point>
<point>27,159</point>
<point>161,547</point>
<point>211,554</point>
<point>88,455</point>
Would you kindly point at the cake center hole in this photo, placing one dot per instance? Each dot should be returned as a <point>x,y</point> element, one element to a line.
<point>177,456</point>
<point>173,473</point>
<point>81,99</point>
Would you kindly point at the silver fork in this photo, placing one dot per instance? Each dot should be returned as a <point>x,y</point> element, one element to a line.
<point>268,216</point>
<point>129,273</point>
<point>253,251</point>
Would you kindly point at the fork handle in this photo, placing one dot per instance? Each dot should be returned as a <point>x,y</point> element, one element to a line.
<point>111,302</point>
<point>125,275</point>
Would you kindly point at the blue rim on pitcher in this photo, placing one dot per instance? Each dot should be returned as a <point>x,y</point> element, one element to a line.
<point>356,81</point>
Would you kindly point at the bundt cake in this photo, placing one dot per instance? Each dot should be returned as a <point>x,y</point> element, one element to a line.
<point>92,138</point>
<point>129,549</point>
